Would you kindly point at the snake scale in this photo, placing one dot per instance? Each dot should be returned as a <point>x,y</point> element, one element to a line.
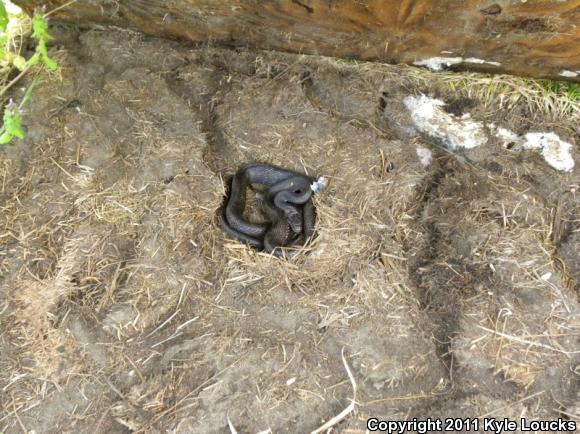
<point>286,201</point>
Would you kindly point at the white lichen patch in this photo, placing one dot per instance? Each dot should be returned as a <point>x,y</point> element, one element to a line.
<point>569,74</point>
<point>439,63</point>
<point>425,156</point>
<point>481,61</point>
<point>555,151</point>
<point>455,132</point>
<point>507,136</point>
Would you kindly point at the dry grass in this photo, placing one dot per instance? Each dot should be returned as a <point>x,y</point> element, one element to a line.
<point>558,100</point>
<point>113,254</point>
<point>531,328</point>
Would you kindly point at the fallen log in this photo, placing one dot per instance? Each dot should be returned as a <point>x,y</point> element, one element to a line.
<point>538,38</point>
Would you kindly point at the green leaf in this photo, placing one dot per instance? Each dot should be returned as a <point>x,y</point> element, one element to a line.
<point>5,138</point>
<point>33,60</point>
<point>12,125</point>
<point>3,17</point>
<point>19,62</point>
<point>573,91</point>
<point>13,119</point>
<point>51,64</point>
<point>40,32</point>
<point>28,93</point>
<point>40,27</point>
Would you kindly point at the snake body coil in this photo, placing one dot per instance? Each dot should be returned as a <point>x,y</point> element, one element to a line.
<point>286,203</point>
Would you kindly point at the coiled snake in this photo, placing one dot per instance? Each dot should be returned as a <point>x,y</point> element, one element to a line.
<point>286,202</point>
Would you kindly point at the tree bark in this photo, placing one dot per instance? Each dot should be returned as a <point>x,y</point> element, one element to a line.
<point>536,38</point>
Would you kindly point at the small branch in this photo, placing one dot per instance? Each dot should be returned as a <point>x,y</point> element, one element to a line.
<point>14,80</point>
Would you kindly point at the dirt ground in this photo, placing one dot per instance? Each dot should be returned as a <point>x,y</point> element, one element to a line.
<point>448,287</point>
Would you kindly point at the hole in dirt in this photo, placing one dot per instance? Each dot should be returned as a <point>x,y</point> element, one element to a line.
<point>459,106</point>
<point>309,9</point>
<point>494,167</point>
<point>306,79</point>
<point>494,9</point>
<point>383,101</point>
<point>241,220</point>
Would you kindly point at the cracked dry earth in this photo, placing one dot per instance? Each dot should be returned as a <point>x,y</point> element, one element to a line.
<point>448,280</point>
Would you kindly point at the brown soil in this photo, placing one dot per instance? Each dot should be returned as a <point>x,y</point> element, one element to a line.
<point>451,290</point>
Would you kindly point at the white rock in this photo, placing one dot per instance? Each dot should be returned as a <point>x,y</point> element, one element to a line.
<point>429,117</point>
<point>425,156</point>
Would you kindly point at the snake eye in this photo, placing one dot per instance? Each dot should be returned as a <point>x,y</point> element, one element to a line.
<point>298,191</point>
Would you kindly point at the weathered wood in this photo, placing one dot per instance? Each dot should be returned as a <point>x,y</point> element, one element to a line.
<point>538,38</point>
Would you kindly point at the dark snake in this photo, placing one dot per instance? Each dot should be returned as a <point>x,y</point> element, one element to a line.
<point>291,224</point>
<point>287,203</point>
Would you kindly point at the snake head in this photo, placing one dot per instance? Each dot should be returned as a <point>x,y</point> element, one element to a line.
<point>295,221</point>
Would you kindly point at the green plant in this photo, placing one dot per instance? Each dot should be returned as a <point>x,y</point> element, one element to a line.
<point>573,91</point>
<point>40,33</point>
<point>3,17</point>
<point>12,117</point>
